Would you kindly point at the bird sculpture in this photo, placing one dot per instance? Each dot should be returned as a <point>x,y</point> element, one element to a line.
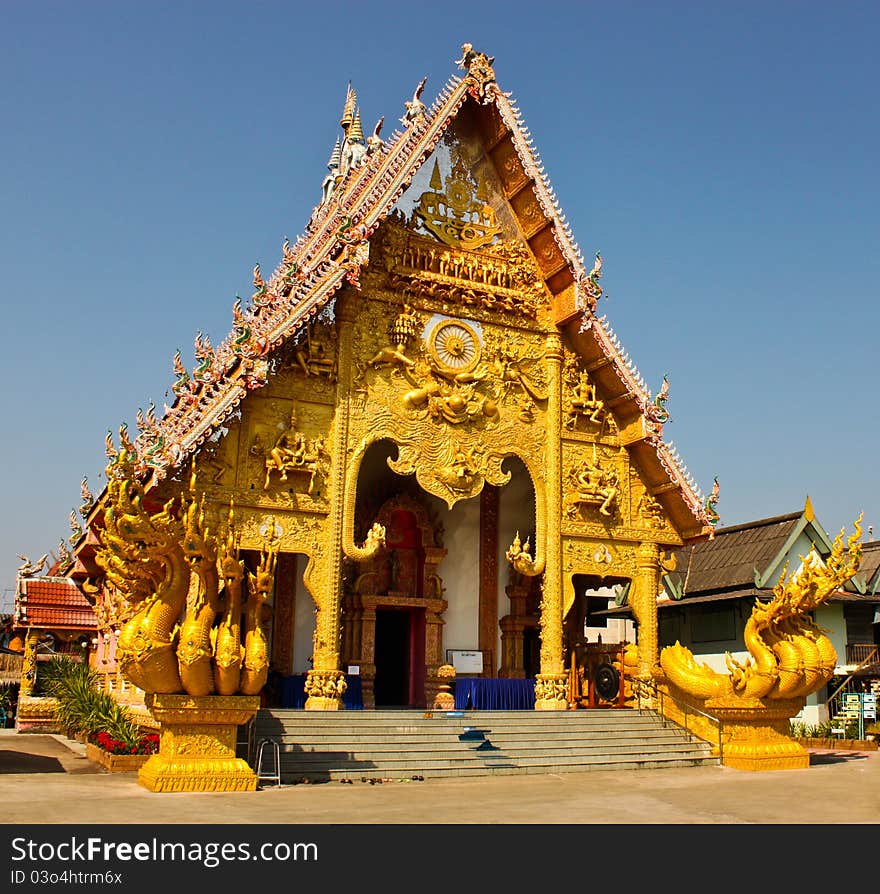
<point>374,141</point>
<point>415,108</point>
<point>31,569</point>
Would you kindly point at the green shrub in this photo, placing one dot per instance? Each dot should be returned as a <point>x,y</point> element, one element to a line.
<point>82,708</point>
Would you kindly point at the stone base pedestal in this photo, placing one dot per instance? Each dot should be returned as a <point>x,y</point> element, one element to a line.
<point>197,744</point>
<point>36,714</point>
<point>756,736</point>
<point>551,692</point>
<point>325,690</point>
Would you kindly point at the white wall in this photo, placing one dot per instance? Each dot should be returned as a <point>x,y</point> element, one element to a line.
<point>460,573</point>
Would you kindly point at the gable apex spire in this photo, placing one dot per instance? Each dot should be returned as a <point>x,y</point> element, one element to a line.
<point>348,109</point>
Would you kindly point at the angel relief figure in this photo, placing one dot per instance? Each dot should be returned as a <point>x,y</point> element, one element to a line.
<point>596,486</point>
<point>292,453</point>
<point>585,402</point>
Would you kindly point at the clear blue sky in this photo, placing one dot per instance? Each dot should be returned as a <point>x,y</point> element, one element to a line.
<point>721,156</point>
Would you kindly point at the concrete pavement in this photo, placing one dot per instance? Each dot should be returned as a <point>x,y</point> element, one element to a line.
<point>49,780</point>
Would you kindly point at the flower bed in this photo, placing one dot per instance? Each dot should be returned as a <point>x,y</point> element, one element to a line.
<point>840,744</point>
<point>115,756</point>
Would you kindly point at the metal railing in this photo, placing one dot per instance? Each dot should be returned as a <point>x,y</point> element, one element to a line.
<point>832,703</point>
<point>862,654</point>
<point>647,689</point>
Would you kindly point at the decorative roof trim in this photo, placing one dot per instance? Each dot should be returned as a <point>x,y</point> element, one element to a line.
<point>332,251</point>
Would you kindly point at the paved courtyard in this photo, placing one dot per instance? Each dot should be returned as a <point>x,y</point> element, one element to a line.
<point>49,780</point>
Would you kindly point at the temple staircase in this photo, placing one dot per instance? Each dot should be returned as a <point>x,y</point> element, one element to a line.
<point>319,746</point>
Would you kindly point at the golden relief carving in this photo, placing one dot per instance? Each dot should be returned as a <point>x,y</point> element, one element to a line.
<point>501,278</point>
<point>285,460</point>
<point>457,211</point>
<point>314,354</point>
<point>594,485</point>
<point>651,512</point>
<point>584,404</point>
<point>293,454</point>
<point>453,395</point>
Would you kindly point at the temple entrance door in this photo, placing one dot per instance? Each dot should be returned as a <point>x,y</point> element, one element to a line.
<point>393,657</point>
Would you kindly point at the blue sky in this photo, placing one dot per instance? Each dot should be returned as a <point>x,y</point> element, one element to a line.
<point>721,156</point>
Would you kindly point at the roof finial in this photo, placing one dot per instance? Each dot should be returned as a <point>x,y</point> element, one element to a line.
<point>335,156</point>
<point>349,108</point>
<point>356,132</point>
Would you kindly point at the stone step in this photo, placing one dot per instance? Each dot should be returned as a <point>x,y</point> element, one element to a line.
<point>523,755</point>
<point>511,740</point>
<point>402,744</point>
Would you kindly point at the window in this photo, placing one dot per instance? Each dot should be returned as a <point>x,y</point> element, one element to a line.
<point>713,623</point>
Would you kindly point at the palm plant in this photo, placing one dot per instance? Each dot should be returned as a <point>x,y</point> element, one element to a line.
<point>82,709</point>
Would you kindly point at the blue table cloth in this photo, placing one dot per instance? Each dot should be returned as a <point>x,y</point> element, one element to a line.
<point>293,692</point>
<point>488,694</point>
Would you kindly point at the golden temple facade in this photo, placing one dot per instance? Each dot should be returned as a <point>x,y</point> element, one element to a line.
<point>419,412</point>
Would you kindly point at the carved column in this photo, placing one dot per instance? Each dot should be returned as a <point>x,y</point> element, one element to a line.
<point>368,655</point>
<point>550,684</point>
<point>325,684</point>
<point>488,623</point>
<point>433,647</point>
<point>645,606</point>
<point>282,621</point>
<point>29,664</point>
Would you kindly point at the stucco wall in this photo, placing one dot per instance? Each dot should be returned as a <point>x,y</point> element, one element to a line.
<point>460,571</point>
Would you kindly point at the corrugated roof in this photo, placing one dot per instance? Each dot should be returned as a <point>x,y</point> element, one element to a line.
<point>55,602</point>
<point>729,560</point>
<point>870,567</point>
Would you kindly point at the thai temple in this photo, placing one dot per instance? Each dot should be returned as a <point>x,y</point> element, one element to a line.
<point>421,447</point>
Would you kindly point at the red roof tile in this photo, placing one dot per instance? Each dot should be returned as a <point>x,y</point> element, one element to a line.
<point>58,602</point>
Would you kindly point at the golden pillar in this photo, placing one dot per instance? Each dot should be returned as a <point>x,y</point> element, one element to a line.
<point>325,683</point>
<point>550,684</point>
<point>29,663</point>
<point>645,606</point>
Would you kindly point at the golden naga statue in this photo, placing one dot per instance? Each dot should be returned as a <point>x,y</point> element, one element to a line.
<point>790,656</point>
<point>167,568</point>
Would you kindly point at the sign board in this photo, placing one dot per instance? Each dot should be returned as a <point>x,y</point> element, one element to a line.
<point>354,670</point>
<point>465,662</point>
<point>869,706</point>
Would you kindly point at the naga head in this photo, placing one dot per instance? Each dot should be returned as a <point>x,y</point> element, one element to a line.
<point>231,568</point>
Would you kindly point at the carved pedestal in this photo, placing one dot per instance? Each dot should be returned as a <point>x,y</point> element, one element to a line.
<point>551,692</point>
<point>444,700</point>
<point>325,689</point>
<point>197,744</point>
<point>756,734</point>
<point>36,715</point>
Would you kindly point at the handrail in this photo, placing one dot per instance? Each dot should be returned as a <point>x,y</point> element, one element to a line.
<point>653,689</point>
<point>869,660</point>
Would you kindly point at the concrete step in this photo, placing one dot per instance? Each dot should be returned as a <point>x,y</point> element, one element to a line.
<point>402,744</point>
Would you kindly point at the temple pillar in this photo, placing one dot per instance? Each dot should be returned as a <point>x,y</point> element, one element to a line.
<point>29,664</point>
<point>368,656</point>
<point>645,606</point>
<point>488,597</point>
<point>433,649</point>
<point>551,683</point>
<point>325,683</point>
<point>283,615</point>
